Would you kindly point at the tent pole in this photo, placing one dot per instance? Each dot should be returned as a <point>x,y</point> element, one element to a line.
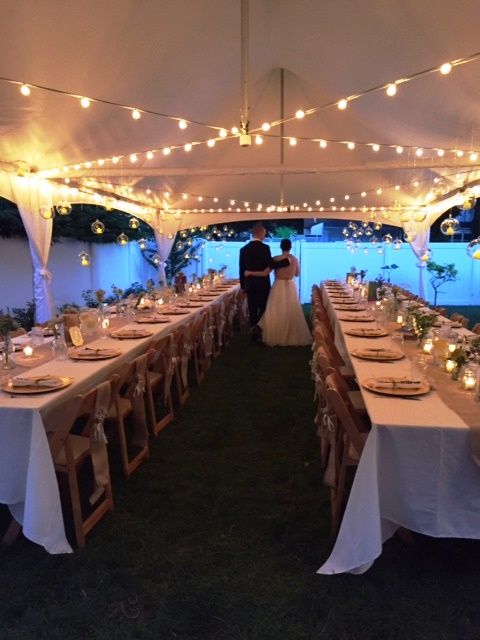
<point>282,133</point>
<point>244,35</point>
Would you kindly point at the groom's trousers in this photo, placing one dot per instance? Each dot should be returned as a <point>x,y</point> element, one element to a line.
<point>257,290</point>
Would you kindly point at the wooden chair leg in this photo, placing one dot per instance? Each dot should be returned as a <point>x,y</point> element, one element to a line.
<point>76,505</point>
<point>12,533</point>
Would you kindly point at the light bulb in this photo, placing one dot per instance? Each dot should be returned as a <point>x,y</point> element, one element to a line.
<point>445,68</point>
<point>142,243</point>
<point>25,90</point>
<point>419,152</point>
<point>300,114</point>
<point>258,139</point>
<point>397,187</point>
<point>136,115</point>
<point>133,223</point>
<point>391,90</point>
<point>211,142</point>
<point>182,124</point>
<point>375,147</point>
<point>322,144</point>
<point>166,151</point>
<point>399,149</point>
<point>122,239</point>
<point>149,155</point>
<point>234,130</point>
<point>459,153</point>
<point>292,142</point>
<point>223,133</point>
<point>266,126</point>
<point>440,153</point>
<point>188,147</point>
<point>85,102</point>
<point>473,157</point>
<point>133,157</point>
<point>115,160</point>
<point>97,227</point>
<point>363,194</point>
<point>351,145</point>
<point>342,104</point>
<point>47,213</point>
<point>63,209</point>
<point>347,197</point>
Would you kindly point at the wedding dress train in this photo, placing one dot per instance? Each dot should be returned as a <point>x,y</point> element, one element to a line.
<point>283,323</point>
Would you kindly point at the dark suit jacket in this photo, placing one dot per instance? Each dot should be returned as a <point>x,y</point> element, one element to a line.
<point>256,256</point>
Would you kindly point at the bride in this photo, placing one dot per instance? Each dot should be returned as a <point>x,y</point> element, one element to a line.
<point>283,323</point>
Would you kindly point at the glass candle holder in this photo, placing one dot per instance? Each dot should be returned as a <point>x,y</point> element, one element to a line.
<point>450,365</point>
<point>469,379</point>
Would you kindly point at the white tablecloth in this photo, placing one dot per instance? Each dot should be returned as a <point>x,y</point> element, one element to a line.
<point>28,483</point>
<point>416,470</point>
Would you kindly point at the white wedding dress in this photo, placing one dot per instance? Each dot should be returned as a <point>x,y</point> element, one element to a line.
<point>283,323</point>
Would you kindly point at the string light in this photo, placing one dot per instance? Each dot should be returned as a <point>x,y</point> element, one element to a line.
<point>342,104</point>
<point>25,90</point>
<point>445,68</point>
<point>85,103</point>
<point>258,139</point>
<point>292,142</point>
<point>182,124</point>
<point>322,144</point>
<point>211,142</point>
<point>300,114</point>
<point>391,90</point>
<point>188,147</point>
<point>223,133</point>
<point>136,115</point>
<point>266,126</point>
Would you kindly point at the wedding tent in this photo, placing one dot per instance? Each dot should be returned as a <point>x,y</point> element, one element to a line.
<point>368,109</point>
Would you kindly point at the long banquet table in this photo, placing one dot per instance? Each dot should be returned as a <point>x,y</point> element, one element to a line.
<point>416,470</point>
<point>28,484</point>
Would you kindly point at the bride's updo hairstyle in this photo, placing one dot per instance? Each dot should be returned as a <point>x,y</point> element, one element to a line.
<point>285,244</point>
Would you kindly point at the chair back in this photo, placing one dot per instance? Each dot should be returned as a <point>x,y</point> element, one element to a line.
<point>337,403</point>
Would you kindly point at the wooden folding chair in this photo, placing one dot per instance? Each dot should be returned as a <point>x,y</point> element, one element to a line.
<point>69,453</point>
<point>128,412</point>
<point>349,443</point>
<point>183,350</point>
<point>160,374</point>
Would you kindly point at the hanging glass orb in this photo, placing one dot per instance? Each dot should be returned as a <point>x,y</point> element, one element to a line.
<point>225,227</point>
<point>365,224</point>
<point>84,258</point>
<point>377,226</point>
<point>183,234</point>
<point>425,255</point>
<point>133,223</point>
<point>143,244</point>
<point>387,238</point>
<point>345,232</point>
<point>397,244</point>
<point>355,234</point>
<point>405,216</point>
<point>380,250</point>
<point>179,245</point>
<point>473,249</point>
<point>410,235</point>
<point>189,242</point>
<point>352,226</point>
<point>122,239</point>
<point>359,232</point>
<point>193,229</point>
<point>231,233</point>
<point>63,209</point>
<point>47,213</point>
<point>156,258</point>
<point>108,204</point>
<point>208,236</point>
<point>374,241</point>
<point>97,227</point>
<point>449,226</point>
<point>368,231</point>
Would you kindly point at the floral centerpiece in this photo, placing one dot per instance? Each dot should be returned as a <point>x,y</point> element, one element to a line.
<point>459,357</point>
<point>422,322</point>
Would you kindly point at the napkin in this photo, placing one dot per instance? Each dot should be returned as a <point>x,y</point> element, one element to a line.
<point>397,383</point>
<point>370,332</point>
<point>36,381</point>
<point>378,352</point>
<point>89,351</point>
<point>129,332</point>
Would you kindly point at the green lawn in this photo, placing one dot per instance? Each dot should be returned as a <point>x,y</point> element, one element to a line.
<point>220,534</point>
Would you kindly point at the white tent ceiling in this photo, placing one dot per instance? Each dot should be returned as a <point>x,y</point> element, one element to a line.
<point>182,58</point>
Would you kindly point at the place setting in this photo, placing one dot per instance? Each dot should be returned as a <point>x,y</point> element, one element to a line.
<point>366,332</point>
<point>352,307</point>
<point>378,355</point>
<point>355,317</point>
<point>131,334</point>
<point>35,384</point>
<point>398,386</point>
<point>92,353</point>
<point>152,319</point>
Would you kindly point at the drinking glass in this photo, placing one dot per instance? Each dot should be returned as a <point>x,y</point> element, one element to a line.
<point>419,366</point>
<point>397,340</point>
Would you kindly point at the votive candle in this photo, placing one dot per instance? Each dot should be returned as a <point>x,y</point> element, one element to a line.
<point>28,351</point>
<point>450,366</point>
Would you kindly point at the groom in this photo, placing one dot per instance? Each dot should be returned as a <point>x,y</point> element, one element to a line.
<point>256,256</point>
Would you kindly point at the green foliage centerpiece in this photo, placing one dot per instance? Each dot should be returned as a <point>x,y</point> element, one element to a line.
<point>7,324</point>
<point>422,322</point>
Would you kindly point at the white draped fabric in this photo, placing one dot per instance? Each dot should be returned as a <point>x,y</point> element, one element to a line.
<point>418,246</point>
<point>165,232</point>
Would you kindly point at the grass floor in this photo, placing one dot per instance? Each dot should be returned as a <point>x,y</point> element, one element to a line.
<point>219,536</point>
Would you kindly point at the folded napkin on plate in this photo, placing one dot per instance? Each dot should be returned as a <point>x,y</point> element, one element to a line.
<point>90,351</point>
<point>378,352</point>
<point>397,383</point>
<point>129,332</point>
<point>36,381</point>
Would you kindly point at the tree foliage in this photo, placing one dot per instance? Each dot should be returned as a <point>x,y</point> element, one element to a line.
<point>440,274</point>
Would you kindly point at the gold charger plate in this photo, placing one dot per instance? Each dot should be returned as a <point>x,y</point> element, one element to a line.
<point>156,320</point>
<point>94,355</point>
<point>361,333</point>
<point>378,355</point>
<point>344,307</point>
<point>9,387</point>
<point>356,319</point>
<point>176,313</point>
<point>369,384</point>
<point>131,335</point>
